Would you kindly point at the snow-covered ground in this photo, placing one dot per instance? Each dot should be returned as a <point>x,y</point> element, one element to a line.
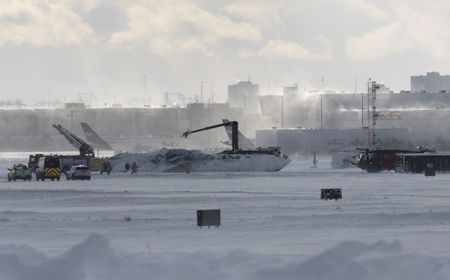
<point>274,226</point>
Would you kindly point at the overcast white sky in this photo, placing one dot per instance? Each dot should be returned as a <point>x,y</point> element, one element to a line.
<point>62,47</point>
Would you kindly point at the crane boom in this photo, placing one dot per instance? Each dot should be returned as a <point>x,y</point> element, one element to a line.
<point>84,148</point>
<point>234,132</point>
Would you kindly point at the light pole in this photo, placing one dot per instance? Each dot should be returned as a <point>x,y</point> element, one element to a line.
<point>245,112</point>
<point>201,91</point>
<point>145,87</point>
<point>321,104</point>
<point>71,120</point>
<point>147,98</point>
<point>282,111</point>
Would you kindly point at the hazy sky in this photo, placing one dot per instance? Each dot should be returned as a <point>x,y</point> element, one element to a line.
<point>59,48</point>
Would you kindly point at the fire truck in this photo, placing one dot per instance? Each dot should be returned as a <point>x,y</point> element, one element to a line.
<point>377,160</point>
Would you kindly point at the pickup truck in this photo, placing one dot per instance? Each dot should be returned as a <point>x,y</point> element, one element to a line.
<point>19,171</point>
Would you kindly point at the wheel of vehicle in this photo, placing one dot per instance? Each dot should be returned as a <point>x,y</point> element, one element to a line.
<point>57,179</point>
<point>14,179</point>
<point>9,179</point>
<point>88,178</point>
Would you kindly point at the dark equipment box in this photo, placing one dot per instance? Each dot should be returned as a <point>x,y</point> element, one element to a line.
<point>335,194</point>
<point>208,218</point>
<point>429,170</point>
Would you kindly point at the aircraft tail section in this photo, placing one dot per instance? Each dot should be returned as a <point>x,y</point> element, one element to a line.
<point>244,142</point>
<point>94,138</point>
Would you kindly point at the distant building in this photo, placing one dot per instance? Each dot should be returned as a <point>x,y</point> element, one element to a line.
<point>433,82</point>
<point>75,105</point>
<point>244,95</point>
<point>295,140</point>
<point>290,91</point>
<point>174,100</point>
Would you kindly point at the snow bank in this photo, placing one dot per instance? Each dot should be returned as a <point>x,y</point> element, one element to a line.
<point>95,259</point>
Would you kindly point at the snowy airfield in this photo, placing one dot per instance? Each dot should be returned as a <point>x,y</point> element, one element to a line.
<point>274,226</point>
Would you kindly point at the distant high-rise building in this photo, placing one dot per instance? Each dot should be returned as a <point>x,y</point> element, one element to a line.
<point>433,82</point>
<point>382,88</point>
<point>244,95</point>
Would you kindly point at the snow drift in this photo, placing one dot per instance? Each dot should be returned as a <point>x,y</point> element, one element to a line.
<point>95,259</point>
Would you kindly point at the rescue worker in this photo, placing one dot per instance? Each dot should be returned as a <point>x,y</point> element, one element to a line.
<point>315,160</point>
<point>106,167</point>
<point>134,168</point>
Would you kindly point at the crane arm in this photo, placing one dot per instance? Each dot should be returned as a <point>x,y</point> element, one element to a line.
<point>233,124</point>
<point>189,132</point>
